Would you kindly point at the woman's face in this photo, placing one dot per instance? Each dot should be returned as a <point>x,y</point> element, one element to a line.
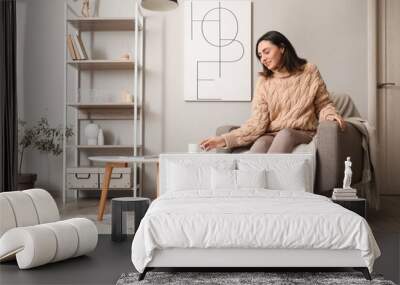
<point>270,55</point>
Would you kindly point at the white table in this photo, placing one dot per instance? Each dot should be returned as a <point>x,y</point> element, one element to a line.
<point>119,161</point>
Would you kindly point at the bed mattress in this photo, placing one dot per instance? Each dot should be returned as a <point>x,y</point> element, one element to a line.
<point>250,219</point>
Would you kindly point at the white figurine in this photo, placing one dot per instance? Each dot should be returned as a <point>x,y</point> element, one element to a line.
<point>347,174</point>
<point>85,8</point>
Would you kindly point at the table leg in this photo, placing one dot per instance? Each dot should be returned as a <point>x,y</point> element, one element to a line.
<point>105,187</point>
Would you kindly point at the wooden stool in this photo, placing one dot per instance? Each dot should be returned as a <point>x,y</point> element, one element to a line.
<point>138,205</point>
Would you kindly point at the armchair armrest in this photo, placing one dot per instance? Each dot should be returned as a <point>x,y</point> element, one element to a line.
<point>223,130</point>
<point>333,146</point>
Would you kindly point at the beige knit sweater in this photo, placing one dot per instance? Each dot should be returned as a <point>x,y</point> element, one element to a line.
<point>296,102</point>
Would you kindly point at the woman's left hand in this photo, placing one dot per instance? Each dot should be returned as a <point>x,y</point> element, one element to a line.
<point>338,119</point>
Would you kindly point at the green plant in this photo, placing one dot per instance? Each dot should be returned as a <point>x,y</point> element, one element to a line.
<point>42,137</point>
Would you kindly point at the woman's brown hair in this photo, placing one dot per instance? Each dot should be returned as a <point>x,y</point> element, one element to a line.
<point>290,61</point>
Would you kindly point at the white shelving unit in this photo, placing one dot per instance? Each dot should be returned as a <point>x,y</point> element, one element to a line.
<point>102,64</point>
<point>79,111</point>
<point>101,105</point>
<point>104,24</point>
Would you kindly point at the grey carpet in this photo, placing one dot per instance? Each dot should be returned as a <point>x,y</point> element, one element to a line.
<point>243,278</point>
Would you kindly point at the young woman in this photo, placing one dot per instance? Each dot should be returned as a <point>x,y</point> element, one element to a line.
<point>290,97</point>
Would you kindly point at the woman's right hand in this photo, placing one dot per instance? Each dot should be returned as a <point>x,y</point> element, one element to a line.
<point>212,142</point>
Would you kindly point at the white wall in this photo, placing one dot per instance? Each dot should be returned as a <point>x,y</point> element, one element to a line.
<point>329,33</point>
<point>40,77</point>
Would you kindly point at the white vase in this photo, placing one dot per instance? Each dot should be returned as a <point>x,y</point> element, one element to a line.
<point>100,137</point>
<point>91,133</point>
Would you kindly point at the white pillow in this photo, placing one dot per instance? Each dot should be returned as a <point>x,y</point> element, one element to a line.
<point>223,179</point>
<point>237,179</point>
<point>251,178</point>
<point>281,174</point>
<point>294,179</point>
<point>186,175</point>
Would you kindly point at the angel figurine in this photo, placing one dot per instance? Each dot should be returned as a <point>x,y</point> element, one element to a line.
<point>85,8</point>
<point>347,174</point>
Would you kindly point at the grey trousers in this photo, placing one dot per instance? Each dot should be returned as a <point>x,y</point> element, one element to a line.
<point>283,141</point>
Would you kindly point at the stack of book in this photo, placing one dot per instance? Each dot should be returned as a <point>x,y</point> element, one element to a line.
<point>343,194</point>
<point>76,48</point>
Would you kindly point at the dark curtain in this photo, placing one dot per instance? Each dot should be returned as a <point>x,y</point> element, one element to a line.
<point>8,97</point>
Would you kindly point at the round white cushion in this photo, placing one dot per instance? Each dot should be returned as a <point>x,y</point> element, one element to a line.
<point>23,208</point>
<point>41,244</point>
<point>87,233</point>
<point>26,208</point>
<point>67,240</point>
<point>33,246</point>
<point>46,207</point>
<point>7,218</point>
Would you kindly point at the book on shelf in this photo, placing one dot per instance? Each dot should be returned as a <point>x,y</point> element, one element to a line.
<point>71,48</point>
<point>79,53</point>
<point>80,46</point>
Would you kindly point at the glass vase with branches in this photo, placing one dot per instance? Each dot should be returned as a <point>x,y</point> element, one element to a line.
<point>42,137</point>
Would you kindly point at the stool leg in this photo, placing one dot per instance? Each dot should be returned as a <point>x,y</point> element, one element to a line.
<point>116,223</point>
<point>140,211</point>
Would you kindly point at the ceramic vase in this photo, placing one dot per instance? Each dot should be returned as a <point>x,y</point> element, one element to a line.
<point>100,137</point>
<point>91,133</point>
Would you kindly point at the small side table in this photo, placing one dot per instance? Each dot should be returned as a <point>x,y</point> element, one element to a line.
<point>138,205</point>
<point>358,206</point>
<point>118,161</point>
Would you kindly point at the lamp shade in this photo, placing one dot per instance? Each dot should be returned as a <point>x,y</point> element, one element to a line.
<point>159,5</point>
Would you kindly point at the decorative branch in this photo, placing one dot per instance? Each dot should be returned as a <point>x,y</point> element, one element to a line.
<point>42,137</point>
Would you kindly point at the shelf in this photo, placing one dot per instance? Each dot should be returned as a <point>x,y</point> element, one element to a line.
<point>103,146</point>
<point>102,105</point>
<point>103,24</point>
<point>99,189</point>
<point>102,64</point>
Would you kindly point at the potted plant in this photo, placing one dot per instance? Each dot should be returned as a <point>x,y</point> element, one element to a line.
<point>42,137</point>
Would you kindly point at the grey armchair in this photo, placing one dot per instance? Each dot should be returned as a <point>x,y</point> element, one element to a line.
<point>333,146</point>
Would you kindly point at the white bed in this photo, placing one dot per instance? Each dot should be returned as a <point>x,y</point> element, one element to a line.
<point>196,224</point>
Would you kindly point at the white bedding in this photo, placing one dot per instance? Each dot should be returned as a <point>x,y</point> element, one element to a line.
<point>251,218</point>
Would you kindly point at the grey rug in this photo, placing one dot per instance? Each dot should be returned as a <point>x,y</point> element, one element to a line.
<point>231,278</point>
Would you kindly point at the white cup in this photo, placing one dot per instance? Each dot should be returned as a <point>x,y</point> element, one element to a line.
<point>193,148</point>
